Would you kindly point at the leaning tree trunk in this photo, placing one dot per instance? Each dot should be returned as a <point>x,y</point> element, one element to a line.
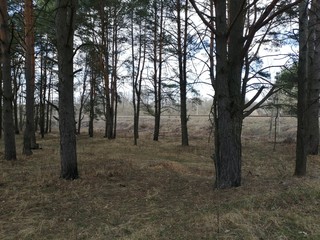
<point>8,124</point>
<point>65,23</point>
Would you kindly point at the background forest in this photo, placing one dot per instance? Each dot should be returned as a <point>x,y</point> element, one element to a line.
<point>153,102</point>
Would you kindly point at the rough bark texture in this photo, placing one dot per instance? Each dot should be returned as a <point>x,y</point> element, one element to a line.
<point>228,98</point>
<point>301,147</point>
<point>314,79</point>
<point>29,132</point>
<point>65,19</point>
<point>8,124</point>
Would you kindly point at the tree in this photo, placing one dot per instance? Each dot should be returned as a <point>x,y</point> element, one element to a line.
<point>83,95</point>
<point>313,78</point>
<point>65,27</point>
<point>29,139</point>
<point>0,99</point>
<point>301,148</point>
<point>157,64</point>
<point>182,62</point>
<point>8,124</point>
<point>138,60</point>
<point>308,85</point>
<point>232,47</point>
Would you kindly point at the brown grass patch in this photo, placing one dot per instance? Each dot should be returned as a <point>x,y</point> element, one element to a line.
<point>157,191</point>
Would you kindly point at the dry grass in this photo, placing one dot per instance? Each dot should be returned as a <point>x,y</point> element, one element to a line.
<point>158,191</point>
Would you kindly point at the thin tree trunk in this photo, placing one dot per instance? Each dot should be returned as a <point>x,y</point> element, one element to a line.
<point>8,124</point>
<point>156,79</point>
<point>1,99</point>
<point>49,107</point>
<point>137,77</point>
<point>83,96</point>
<point>65,24</point>
<point>182,59</point>
<point>92,103</point>
<point>114,92</point>
<point>43,90</point>
<point>15,102</point>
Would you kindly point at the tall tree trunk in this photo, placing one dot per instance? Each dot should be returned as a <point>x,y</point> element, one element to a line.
<point>301,147</point>
<point>8,124</point>
<point>229,40</point>
<point>114,90</point>
<point>1,99</point>
<point>65,24</point>
<point>16,76</point>
<point>92,104</point>
<point>29,138</point>
<point>49,107</point>
<point>156,78</point>
<point>137,75</point>
<point>83,96</point>
<point>182,60</point>
<point>313,79</point>
<point>104,68</point>
<point>43,90</point>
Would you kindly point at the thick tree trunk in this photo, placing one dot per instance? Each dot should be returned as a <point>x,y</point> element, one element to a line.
<point>8,124</point>
<point>65,21</point>
<point>29,139</point>
<point>301,147</point>
<point>314,79</point>
<point>228,93</point>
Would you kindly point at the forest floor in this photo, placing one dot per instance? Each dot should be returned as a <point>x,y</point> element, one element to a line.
<point>160,190</point>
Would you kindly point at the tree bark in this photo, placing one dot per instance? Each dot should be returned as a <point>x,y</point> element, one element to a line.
<point>313,79</point>
<point>182,61</point>
<point>1,99</point>
<point>29,139</point>
<point>301,146</point>
<point>8,124</point>
<point>65,24</point>
<point>157,68</point>
<point>228,123</point>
